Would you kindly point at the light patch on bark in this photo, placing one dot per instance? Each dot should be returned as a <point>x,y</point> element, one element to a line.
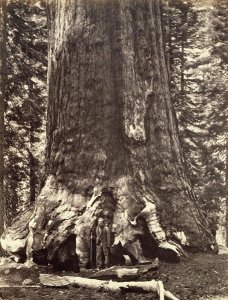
<point>73,213</point>
<point>181,237</point>
<point>125,216</point>
<point>14,238</point>
<point>11,244</point>
<point>134,109</point>
<point>134,120</point>
<point>82,229</point>
<point>150,215</point>
<point>97,192</point>
<point>54,201</point>
<point>64,21</point>
<point>123,208</point>
<point>129,215</point>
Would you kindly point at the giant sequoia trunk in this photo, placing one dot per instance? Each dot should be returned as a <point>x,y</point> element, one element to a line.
<point>112,142</point>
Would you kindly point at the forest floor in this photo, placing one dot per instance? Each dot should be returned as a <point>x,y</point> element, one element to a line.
<point>200,276</point>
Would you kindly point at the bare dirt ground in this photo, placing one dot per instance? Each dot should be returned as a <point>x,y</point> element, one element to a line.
<point>201,276</point>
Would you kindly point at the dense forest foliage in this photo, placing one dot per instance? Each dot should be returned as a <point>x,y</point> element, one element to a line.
<point>197,56</point>
<point>196,51</point>
<point>25,103</point>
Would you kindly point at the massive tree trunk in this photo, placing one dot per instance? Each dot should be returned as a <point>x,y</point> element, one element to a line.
<point>112,141</point>
<point>2,99</point>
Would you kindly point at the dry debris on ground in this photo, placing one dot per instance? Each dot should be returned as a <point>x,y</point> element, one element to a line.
<point>200,276</point>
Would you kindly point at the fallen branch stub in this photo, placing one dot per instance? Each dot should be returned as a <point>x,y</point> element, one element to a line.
<point>108,286</point>
<point>117,273</point>
<point>126,273</point>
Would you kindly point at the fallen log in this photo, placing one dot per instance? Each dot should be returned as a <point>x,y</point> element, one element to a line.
<point>115,272</point>
<point>108,286</point>
<point>125,273</point>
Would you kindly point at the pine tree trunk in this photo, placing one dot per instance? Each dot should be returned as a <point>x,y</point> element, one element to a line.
<point>2,99</point>
<point>32,167</point>
<point>32,179</point>
<point>112,145</point>
<point>182,58</point>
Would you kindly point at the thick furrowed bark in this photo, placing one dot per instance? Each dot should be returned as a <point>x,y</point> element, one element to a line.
<point>107,69</point>
<point>112,139</point>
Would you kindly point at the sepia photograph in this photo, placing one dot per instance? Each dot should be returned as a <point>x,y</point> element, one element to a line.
<point>114,149</point>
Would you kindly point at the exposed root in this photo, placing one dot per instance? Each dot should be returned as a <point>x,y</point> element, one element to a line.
<point>168,250</point>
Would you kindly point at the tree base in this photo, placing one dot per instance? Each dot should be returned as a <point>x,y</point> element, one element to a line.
<point>61,225</point>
